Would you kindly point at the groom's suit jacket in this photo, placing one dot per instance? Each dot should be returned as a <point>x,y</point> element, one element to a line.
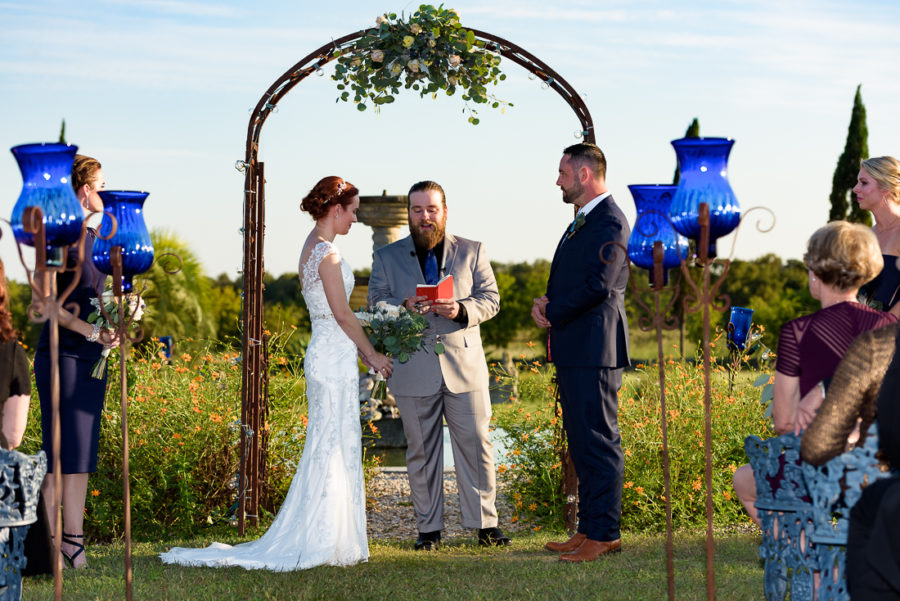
<point>462,366</point>
<point>587,294</point>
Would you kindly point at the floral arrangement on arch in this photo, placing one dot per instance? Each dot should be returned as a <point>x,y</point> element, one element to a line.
<point>428,52</point>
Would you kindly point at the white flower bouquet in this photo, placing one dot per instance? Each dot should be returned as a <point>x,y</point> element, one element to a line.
<point>108,318</point>
<point>397,332</point>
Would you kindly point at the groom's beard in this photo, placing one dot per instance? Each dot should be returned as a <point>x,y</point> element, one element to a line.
<point>428,238</point>
<point>572,194</point>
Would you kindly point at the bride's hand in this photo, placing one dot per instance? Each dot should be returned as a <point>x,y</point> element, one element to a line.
<point>382,364</point>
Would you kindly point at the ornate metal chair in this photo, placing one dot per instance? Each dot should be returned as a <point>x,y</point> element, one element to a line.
<point>835,488</point>
<point>20,481</point>
<point>785,514</point>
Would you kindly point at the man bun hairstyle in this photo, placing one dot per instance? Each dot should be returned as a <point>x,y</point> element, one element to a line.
<point>588,155</point>
<point>844,255</point>
<point>329,191</point>
<point>425,186</point>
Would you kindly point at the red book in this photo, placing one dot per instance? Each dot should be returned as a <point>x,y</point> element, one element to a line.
<point>443,289</point>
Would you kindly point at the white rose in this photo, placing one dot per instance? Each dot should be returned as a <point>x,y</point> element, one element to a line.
<point>380,19</point>
<point>454,60</point>
<point>415,28</point>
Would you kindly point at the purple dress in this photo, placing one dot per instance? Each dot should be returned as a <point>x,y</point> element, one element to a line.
<point>810,347</point>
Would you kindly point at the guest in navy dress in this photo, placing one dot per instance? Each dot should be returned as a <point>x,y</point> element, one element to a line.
<point>878,190</point>
<point>15,377</point>
<point>80,395</point>
<point>840,257</point>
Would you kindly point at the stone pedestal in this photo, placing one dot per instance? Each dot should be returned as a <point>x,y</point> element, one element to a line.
<point>386,215</point>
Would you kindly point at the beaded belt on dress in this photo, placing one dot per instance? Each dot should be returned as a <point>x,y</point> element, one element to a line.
<point>316,316</point>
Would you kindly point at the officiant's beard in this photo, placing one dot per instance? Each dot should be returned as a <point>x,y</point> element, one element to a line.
<point>429,238</point>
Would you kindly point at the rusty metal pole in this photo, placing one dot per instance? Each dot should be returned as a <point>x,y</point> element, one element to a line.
<point>707,400</point>
<point>122,331</point>
<point>658,318</point>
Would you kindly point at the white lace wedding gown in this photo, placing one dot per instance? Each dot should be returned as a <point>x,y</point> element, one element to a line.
<point>323,519</point>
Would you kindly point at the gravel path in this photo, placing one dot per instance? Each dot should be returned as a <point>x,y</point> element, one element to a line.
<point>390,514</point>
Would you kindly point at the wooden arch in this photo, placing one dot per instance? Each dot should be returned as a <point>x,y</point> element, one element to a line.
<point>254,365</point>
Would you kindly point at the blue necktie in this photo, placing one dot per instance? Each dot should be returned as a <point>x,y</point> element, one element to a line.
<point>431,270</point>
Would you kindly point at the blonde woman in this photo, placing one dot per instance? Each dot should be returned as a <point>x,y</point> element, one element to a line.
<point>840,257</point>
<point>878,190</point>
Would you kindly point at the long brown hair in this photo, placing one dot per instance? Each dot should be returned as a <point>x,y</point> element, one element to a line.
<point>6,327</point>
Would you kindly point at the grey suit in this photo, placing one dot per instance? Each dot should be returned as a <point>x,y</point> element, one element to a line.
<point>453,386</point>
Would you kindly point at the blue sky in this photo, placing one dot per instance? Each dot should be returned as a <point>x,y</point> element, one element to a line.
<point>160,92</point>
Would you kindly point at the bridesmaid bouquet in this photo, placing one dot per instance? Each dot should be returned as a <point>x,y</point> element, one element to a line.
<point>134,310</point>
<point>397,332</point>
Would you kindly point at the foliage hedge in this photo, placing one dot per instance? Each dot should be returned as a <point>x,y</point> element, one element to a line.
<point>533,471</point>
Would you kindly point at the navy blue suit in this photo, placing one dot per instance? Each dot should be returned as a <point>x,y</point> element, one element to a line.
<point>589,346</point>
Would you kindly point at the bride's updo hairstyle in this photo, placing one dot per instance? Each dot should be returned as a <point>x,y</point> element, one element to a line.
<point>330,191</point>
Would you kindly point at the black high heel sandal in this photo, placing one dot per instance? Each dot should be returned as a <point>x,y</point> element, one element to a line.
<point>72,539</point>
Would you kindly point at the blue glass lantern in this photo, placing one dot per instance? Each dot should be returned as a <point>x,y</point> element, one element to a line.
<point>127,206</point>
<point>739,327</point>
<point>703,164</point>
<point>652,203</point>
<point>47,184</point>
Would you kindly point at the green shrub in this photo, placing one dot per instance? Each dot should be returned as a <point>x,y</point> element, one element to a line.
<point>184,421</point>
<point>533,471</point>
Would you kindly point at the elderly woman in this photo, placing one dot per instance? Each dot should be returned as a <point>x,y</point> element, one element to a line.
<point>80,395</point>
<point>878,190</point>
<point>840,257</point>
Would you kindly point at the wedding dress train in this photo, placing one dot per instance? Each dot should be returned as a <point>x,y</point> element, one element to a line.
<point>322,520</point>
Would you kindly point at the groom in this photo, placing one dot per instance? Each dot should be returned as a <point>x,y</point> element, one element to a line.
<point>452,386</point>
<point>588,342</point>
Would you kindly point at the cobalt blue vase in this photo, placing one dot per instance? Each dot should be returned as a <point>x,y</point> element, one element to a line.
<point>127,206</point>
<point>652,203</point>
<point>703,164</point>
<point>47,184</point>
<point>739,326</point>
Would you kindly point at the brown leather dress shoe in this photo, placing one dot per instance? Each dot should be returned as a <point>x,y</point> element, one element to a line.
<point>592,549</point>
<point>570,545</point>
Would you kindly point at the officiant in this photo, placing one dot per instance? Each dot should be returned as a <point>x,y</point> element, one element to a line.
<point>452,385</point>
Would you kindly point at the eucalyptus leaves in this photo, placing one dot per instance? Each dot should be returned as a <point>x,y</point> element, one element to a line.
<point>428,52</point>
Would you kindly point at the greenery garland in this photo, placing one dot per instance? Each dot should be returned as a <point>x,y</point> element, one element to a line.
<point>428,52</point>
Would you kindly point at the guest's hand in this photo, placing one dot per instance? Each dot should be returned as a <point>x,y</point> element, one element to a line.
<point>807,407</point>
<point>445,307</point>
<point>539,312</point>
<point>418,304</point>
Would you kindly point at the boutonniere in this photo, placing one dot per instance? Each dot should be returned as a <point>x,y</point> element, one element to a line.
<point>576,225</point>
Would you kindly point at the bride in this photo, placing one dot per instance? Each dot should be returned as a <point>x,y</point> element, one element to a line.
<point>322,520</point>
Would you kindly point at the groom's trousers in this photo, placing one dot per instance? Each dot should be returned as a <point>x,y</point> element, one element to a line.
<point>468,415</point>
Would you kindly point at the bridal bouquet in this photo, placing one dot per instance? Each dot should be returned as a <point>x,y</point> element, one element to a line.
<point>134,310</point>
<point>397,332</point>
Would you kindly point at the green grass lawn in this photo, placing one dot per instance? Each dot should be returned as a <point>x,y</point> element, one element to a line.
<point>460,570</point>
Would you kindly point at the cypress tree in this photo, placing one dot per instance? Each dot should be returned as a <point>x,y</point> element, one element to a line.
<point>62,133</point>
<point>693,131</point>
<point>855,150</point>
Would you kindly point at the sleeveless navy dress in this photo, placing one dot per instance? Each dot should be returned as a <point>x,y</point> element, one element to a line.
<point>80,395</point>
